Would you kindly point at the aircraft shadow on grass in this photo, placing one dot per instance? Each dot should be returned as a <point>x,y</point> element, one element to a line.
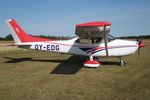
<point>70,66</point>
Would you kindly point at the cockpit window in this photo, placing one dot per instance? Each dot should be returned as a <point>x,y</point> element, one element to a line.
<point>95,40</point>
<point>89,41</point>
<point>83,41</point>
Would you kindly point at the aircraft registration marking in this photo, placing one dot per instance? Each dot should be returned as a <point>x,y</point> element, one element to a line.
<point>47,47</point>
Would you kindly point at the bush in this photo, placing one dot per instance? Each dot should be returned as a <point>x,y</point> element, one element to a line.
<point>9,37</point>
<point>1,39</point>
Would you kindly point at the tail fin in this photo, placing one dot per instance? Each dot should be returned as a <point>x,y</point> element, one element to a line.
<point>19,35</point>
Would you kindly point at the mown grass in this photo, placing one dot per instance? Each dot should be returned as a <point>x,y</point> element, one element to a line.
<point>35,75</point>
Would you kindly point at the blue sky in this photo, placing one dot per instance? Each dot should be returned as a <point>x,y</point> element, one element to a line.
<point>59,17</point>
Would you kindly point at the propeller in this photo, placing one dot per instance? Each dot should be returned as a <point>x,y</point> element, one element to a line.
<point>140,44</point>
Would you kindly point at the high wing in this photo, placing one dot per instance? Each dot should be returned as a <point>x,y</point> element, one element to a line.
<point>94,30</point>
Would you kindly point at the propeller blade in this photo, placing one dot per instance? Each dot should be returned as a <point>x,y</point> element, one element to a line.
<point>140,44</point>
<point>138,51</point>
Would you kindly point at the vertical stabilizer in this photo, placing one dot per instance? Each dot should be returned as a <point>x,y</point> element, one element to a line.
<point>12,31</point>
<point>19,34</point>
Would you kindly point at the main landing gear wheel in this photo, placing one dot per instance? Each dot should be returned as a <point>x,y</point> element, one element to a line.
<point>91,63</point>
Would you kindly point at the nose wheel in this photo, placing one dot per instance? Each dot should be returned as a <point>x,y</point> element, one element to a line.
<point>121,62</point>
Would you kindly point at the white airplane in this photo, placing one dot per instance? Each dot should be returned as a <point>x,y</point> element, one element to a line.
<point>92,41</point>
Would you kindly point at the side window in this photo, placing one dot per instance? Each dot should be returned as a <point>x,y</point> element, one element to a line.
<point>96,40</point>
<point>82,41</point>
<point>89,41</point>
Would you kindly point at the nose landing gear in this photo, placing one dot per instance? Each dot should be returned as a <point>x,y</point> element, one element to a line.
<point>121,62</point>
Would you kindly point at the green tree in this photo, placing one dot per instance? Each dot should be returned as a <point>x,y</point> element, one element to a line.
<point>9,37</point>
<point>1,38</point>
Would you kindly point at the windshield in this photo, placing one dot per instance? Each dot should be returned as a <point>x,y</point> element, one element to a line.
<point>110,38</point>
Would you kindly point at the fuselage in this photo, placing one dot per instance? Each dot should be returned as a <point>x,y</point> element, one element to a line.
<point>116,47</point>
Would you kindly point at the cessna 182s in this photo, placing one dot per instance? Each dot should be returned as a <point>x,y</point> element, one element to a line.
<point>92,41</point>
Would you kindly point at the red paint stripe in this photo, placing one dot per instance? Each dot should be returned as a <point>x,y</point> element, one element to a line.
<point>66,44</point>
<point>111,47</point>
<point>95,49</point>
<point>57,43</point>
<point>95,24</point>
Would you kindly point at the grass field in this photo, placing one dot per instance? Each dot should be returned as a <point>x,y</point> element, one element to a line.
<point>35,75</point>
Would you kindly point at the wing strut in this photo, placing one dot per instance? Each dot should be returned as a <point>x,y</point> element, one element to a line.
<point>105,40</point>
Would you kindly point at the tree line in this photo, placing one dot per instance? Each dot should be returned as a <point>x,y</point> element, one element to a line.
<point>10,38</point>
<point>134,37</point>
